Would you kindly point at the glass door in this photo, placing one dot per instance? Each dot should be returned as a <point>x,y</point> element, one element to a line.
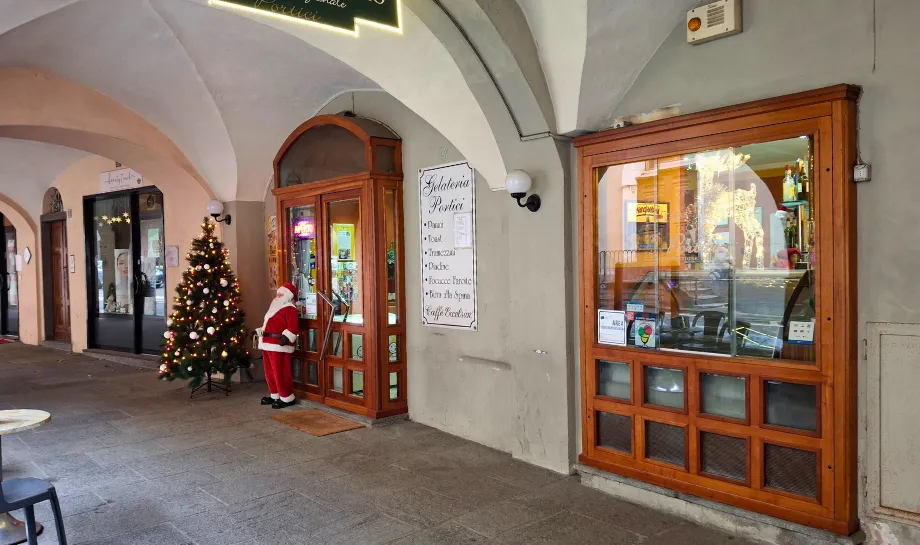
<point>303,249</point>
<point>9,281</point>
<point>127,305</point>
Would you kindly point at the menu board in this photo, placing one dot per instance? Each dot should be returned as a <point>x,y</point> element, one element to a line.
<point>447,229</point>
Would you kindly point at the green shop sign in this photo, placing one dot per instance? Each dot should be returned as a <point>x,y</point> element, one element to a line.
<point>342,14</point>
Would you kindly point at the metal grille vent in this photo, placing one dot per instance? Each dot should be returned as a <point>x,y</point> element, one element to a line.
<point>665,443</point>
<point>791,470</point>
<point>723,456</point>
<point>715,15</point>
<point>614,431</point>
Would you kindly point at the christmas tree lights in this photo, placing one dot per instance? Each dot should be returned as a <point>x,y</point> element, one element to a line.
<point>205,332</point>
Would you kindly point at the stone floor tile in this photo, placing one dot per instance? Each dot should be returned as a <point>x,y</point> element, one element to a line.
<point>629,516</point>
<point>474,488</point>
<point>691,534</point>
<point>569,527</point>
<point>365,529</point>
<point>163,534</point>
<point>449,533</point>
<point>421,507</point>
<point>120,455</point>
<point>522,474</point>
<point>498,518</point>
<point>244,488</point>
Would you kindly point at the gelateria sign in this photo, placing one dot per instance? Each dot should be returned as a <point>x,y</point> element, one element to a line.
<point>337,14</point>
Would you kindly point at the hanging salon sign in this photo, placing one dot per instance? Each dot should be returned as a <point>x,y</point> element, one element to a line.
<point>339,14</point>
<point>447,205</point>
<point>119,180</point>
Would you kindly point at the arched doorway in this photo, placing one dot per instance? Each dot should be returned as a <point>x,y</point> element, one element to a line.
<point>55,267</point>
<point>338,185</point>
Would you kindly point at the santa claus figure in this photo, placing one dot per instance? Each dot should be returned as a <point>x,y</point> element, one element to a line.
<point>276,340</point>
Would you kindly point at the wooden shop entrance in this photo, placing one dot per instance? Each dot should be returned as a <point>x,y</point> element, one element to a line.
<point>338,185</point>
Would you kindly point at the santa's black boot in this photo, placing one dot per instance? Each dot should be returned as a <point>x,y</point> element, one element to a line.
<point>279,404</point>
<point>267,401</point>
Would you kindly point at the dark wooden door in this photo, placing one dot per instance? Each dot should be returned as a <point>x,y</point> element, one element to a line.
<point>60,286</point>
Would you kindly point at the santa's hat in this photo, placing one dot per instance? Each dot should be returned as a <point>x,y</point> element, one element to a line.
<point>289,290</point>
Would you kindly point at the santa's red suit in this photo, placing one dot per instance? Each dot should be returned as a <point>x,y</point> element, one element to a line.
<point>276,340</point>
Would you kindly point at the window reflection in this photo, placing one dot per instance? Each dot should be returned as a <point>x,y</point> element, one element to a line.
<point>712,251</point>
<point>302,226</point>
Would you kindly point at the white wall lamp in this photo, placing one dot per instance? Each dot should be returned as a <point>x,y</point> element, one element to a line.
<point>518,183</point>
<point>216,208</point>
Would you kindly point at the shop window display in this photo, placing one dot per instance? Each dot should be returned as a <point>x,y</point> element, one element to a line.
<point>712,251</point>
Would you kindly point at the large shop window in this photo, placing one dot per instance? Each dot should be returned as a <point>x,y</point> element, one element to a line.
<point>719,309</point>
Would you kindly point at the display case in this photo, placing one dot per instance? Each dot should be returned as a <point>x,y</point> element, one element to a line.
<point>719,310</point>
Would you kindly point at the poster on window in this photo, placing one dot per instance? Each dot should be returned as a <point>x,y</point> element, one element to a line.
<point>271,230</point>
<point>123,276</point>
<point>447,233</point>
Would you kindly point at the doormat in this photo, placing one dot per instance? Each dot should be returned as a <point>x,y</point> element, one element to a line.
<point>316,422</point>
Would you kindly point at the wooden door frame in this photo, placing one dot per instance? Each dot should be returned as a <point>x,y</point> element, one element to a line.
<point>832,113</point>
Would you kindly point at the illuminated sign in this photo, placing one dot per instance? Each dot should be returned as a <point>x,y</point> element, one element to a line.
<point>304,228</point>
<point>342,15</point>
<point>646,212</point>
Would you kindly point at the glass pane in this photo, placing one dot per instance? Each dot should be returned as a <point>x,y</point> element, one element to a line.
<point>12,279</point>
<point>791,405</point>
<point>151,264</point>
<point>313,373</point>
<point>296,370</point>
<point>391,223</point>
<point>627,238</point>
<point>774,314</point>
<point>335,345</point>
<point>393,348</point>
<point>345,243</point>
<point>337,377</point>
<point>613,380</point>
<point>664,387</point>
<point>357,383</point>
<point>614,431</point>
<point>302,233</point>
<point>394,385</point>
<point>323,152</point>
<point>113,283</point>
<point>723,395</point>
<point>385,158</point>
<point>311,340</point>
<point>357,347</point>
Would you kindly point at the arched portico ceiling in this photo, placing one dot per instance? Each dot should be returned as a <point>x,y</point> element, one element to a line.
<point>27,170</point>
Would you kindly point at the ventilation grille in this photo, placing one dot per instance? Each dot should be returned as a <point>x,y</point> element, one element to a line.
<point>791,470</point>
<point>665,443</point>
<point>715,15</point>
<point>614,431</point>
<point>723,456</point>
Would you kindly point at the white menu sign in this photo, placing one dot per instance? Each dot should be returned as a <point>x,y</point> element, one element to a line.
<point>118,180</point>
<point>447,205</point>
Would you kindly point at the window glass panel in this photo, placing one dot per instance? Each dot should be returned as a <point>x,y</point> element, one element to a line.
<point>357,383</point>
<point>626,260</point>
<point>391,222</point>
<point>153,258</point>
<point>713,251</point>
<point>296,370</point>
<point>345,244</point>
<point>393,348</point>
<point>664,387</point>
<point>335,345</point>
<point>114,270</point>
<point>337,379</point>
<point>302,232</point>
<point>311,340</point>
<point>313,373</point>
<point>357,347</point>
<point>614,431</point>
<point>613,380</point>
<point>723,395</point>
<point>791,405</point>
<point>323,152</point>
<point>394,385</point>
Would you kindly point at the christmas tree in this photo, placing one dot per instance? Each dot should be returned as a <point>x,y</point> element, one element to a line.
<point>205,332</point>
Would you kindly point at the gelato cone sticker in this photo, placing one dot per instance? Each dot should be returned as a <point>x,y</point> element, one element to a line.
<point>645,333</point>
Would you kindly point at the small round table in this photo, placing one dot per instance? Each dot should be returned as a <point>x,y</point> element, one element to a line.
<point>13,531</point>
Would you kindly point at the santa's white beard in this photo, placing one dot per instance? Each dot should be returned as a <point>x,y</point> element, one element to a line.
<point>277,304</point>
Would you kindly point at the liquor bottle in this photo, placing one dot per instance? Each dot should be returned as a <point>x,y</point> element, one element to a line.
<point>789,192</point>
<point>804,188</point>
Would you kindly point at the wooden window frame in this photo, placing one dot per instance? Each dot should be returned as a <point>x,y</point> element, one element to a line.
<point>829,115</point>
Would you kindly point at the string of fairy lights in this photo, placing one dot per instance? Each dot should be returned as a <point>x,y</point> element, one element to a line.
<point>193,338</point>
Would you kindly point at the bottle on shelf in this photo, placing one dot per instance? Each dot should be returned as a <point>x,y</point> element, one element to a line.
<point>805,190</point>
<point>789,185</point>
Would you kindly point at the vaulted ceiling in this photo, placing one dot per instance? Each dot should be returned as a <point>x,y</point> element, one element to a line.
<point>227,88</point>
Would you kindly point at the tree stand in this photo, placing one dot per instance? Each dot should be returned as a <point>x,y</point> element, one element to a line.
<point>208,384</point>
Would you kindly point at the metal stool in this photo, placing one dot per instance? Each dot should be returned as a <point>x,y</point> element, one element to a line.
<point>24,494</point>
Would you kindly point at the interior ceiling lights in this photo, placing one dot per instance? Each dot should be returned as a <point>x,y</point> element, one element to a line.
<point>337,15</point>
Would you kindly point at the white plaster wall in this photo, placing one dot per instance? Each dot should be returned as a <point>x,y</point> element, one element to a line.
<point>184,205</point>
<point>795,46</point>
